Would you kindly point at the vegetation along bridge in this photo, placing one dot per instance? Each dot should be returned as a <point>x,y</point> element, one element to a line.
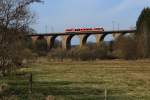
<point>67,36</point>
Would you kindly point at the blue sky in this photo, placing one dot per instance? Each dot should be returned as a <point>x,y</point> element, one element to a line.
<point>60,14</point>
<point>57,15</point>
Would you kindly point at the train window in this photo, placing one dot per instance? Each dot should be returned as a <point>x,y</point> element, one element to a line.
<point>85,29</point>
<point>77,29</point>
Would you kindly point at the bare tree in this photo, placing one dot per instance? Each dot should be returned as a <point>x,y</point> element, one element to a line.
<point>15,18</point>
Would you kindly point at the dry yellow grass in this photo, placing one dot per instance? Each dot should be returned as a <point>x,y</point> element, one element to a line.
<point>72,80</point>
<point>131,78</point>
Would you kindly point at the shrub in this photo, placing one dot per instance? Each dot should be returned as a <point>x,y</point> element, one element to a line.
<point>41,47</point>
<point>89,52</point>
<point>125,47</point>
<point>58,54</point>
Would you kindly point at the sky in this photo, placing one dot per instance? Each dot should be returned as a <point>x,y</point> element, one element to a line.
<point>57,15</point>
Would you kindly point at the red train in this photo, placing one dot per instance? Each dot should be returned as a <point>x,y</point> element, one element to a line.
<point>85,30</point>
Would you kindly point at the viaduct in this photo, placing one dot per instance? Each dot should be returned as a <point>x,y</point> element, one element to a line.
<point>67,36</point>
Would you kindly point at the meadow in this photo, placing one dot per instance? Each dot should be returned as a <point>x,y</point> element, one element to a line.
<point>78,80</point>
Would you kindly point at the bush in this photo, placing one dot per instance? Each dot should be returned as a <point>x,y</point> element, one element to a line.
<point>41,47</point>
<point>125,47</point>
<point>85,54</point>
<point>90,52</point>
<point>58,54</point>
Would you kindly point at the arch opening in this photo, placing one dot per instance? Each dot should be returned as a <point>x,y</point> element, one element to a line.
<point>108,38</point>
<point>91,40</point>
<point>56,42</point>
<point>128,34</point>
<point>75,41</point>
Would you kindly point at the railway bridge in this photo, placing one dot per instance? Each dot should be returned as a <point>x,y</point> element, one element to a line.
<point>67,36</point>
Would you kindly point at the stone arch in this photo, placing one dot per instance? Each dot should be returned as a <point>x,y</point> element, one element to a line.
<point>91,39</point>
<point>109,37</point>
<point>58,41</point>
<point>117,35</point>
<point>98,38</point>
<point>66,42</point>
<point>102,37</point>
<point>41,38</point>
<point>52,41</point>
<point>83,39</point>
<point>34,39</point>
<point>75,41</point>
<point>47,40</point>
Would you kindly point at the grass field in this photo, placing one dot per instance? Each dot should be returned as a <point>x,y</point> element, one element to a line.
<point>123,80</point>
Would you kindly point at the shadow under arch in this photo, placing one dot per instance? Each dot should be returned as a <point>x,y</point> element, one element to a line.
<point>103,37</point>
<point>52,41</point>
<point>68,41</point>
<point>84,39</point>
<point>41,38</point>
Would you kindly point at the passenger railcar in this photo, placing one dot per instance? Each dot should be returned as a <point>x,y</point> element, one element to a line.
<point>85,30</point>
